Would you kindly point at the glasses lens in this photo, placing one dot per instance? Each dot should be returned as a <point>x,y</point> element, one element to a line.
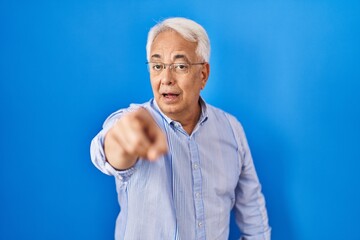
<point>156,67</point>
<point>181,68</point>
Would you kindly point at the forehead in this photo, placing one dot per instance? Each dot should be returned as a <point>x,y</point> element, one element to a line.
<point>171,45</point>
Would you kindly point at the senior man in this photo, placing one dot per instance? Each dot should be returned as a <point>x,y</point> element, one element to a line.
<point>180,164</point>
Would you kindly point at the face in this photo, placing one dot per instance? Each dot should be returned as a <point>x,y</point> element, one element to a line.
<point>177,94</point>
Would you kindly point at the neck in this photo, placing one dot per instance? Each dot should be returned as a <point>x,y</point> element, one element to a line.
<point>188,119</point>
<point>190,122</point>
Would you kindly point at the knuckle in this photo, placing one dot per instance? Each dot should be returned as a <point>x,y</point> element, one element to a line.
<point>136,125</point>
<point>134,146</point>
<point>111,136</point>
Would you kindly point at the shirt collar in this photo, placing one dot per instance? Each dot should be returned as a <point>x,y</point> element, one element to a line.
<point>203,115</point>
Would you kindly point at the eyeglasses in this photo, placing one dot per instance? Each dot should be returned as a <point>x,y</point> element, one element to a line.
<point>180,68</point>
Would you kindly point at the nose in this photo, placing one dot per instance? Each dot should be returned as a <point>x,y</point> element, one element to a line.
<point>167,77</point>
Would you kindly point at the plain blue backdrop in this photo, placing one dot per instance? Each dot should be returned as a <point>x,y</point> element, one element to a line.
<point>288,70</point>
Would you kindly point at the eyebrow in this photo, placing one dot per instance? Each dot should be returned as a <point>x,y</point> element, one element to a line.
<point>181,56</point>
<point>156,56</point>
<point>176,57</point>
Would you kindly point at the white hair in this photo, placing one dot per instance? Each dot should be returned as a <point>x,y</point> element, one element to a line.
<point>188,29</point>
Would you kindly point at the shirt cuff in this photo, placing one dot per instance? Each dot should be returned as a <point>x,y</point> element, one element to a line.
<point>122,175</point>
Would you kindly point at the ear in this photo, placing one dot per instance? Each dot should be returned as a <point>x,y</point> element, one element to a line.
<point>205,72</point>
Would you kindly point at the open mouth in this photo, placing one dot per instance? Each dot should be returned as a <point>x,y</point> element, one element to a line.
<point>170,95</point>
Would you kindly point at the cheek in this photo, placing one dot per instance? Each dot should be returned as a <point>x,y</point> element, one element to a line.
<point>154,84</point>
<point>195,84</point>
<point>192,89</point>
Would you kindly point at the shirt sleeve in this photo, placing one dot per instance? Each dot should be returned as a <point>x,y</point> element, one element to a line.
<point>250,211</point>
<point>97,152</point>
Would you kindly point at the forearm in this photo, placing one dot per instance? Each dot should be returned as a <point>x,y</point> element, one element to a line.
<point>98,155</point>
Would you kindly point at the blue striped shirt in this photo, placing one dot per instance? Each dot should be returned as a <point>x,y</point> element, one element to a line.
<point>189,192</point>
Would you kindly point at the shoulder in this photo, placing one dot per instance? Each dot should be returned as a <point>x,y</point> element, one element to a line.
<point>216,112</point>
<point>224,118</point>
<point>230,122</point>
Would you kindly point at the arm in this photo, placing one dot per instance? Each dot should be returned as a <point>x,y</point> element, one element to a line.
<point>125,137</point>
<point>250,210</point>
<point>97,152</point>
<point>134,135</point>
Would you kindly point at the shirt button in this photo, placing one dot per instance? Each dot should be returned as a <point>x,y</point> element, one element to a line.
<point>195,166</point>
<point>200,224</point>
<point>197,195</point>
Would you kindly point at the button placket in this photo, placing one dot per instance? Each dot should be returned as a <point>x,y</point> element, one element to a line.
<point>197,188</point>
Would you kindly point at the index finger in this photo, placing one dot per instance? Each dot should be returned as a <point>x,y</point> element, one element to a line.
<point>158,143</point>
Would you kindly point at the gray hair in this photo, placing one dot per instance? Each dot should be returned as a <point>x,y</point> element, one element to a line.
<point>188,29</point>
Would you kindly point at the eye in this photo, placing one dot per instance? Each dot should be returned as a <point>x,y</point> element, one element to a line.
<point>181,67</point>
<point>157,66</point>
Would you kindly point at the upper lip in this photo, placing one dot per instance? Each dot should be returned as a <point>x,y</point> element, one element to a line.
<point>169,92</point>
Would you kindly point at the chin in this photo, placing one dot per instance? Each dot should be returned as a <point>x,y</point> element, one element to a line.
<point>169,109</point>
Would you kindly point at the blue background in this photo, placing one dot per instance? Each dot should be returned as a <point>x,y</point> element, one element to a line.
<point>288,70</point>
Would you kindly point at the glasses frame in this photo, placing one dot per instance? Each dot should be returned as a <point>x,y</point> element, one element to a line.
<point>171,66</point>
